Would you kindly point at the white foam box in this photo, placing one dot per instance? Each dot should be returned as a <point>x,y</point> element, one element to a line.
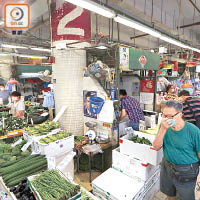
<point>142,152</point>
<point>115,185</point>
<point>55,148</point>
<point>132,167</point>
<point>64,163</point>
<point>150,193</point>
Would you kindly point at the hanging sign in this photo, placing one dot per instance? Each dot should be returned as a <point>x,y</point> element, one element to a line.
<point>143,60</point>
<point>190,64</point>
<point>69,22</point>
<point>147,86</point>
<point>124,58</point>
<point>146,98</point>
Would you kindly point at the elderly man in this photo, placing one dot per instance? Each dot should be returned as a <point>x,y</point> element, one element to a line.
<point>181,147</point>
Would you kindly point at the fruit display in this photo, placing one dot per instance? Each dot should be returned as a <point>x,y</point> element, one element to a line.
<point>22,191</point>
<point>55,137</point>
<point>14,171</point>
<point>9,153</point>
<point>51,185</point>
<point>42,129</point>
<point>137,139</point>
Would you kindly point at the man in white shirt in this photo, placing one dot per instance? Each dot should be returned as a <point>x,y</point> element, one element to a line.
<point>18,105</point>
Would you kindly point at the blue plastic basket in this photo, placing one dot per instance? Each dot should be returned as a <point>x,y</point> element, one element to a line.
<point>96,104</point>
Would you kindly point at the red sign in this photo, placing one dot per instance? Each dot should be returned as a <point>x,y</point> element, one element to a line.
<point>190,64</point>
<point>70,22</point>
<point>142,60</point>
<point>147,86</point>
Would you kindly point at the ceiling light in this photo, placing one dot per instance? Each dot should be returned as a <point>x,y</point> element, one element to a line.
<point>13,46</point>
<point>136,25</point>
<point>28,56</point>
<point>41,49</point>
<point>94,7</point>
<point>173,41</point>
<point>101,47</point>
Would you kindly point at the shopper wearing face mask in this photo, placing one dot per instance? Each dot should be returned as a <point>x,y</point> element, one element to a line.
<point>4,95</point>
<point>181,150</point>
<point>18,107</point>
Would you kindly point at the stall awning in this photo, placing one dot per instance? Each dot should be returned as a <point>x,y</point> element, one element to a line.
<point>143,60</point>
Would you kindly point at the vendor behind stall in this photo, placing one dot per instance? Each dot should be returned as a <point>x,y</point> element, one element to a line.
<point>4,95</point>
<point>18,107</point>
<point>130,107</point>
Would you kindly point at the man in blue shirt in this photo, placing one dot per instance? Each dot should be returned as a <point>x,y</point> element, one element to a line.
<point>181,148</point>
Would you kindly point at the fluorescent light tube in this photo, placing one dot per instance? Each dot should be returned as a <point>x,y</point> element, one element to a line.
<point>101,47</point>
<point>41,49</point>
<point>29,56</point>
<point>94,7</point>
<point>136,25</point>
<point>13,46</point>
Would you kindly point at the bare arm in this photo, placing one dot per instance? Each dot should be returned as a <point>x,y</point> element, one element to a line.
<point>123,114</point>
<point>20,113</point>
<point>198,154</point>
<point>158,142</point>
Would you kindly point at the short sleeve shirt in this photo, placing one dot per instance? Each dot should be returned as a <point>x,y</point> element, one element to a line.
<point>181,147</point>
<point>132,107</point>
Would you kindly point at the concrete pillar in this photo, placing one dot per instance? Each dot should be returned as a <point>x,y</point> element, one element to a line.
<point>5,69</point>
<point>69,24</point>
<point>68,84</point>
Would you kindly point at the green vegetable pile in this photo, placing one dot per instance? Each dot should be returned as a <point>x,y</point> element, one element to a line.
<point>50,185</point>
<point>42,129</point>
<point>33,109</point>
<point>84,196</point>
<point>142,140</point>
<point>52,138</point>
<point>9,153</point>
<point>14,171</point>
<point>4,114</point>
<point>13,123</point>
<point>78,139</point>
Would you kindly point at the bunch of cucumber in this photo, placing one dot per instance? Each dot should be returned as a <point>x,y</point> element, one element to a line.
<point>51,185</point>
<point>14,171</point>
<point>142,140</point>
<point>9,153</point>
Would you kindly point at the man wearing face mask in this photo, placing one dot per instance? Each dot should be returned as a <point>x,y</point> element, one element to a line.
<point>181,148</point>
<point>18,107</point>
<point>4,94</point>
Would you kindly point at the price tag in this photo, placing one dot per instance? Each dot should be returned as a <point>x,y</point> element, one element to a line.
<point>25,147</point>
<point>51,162</point>
<point>17,142</point>
<point>31,121</point>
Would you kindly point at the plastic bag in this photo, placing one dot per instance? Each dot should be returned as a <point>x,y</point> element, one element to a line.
<point>107,112</point>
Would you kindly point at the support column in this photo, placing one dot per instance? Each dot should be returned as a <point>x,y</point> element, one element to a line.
<point>69,24</point>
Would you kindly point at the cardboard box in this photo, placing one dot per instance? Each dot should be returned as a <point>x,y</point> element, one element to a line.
<point>142,152</point>
<point>132,167</point>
